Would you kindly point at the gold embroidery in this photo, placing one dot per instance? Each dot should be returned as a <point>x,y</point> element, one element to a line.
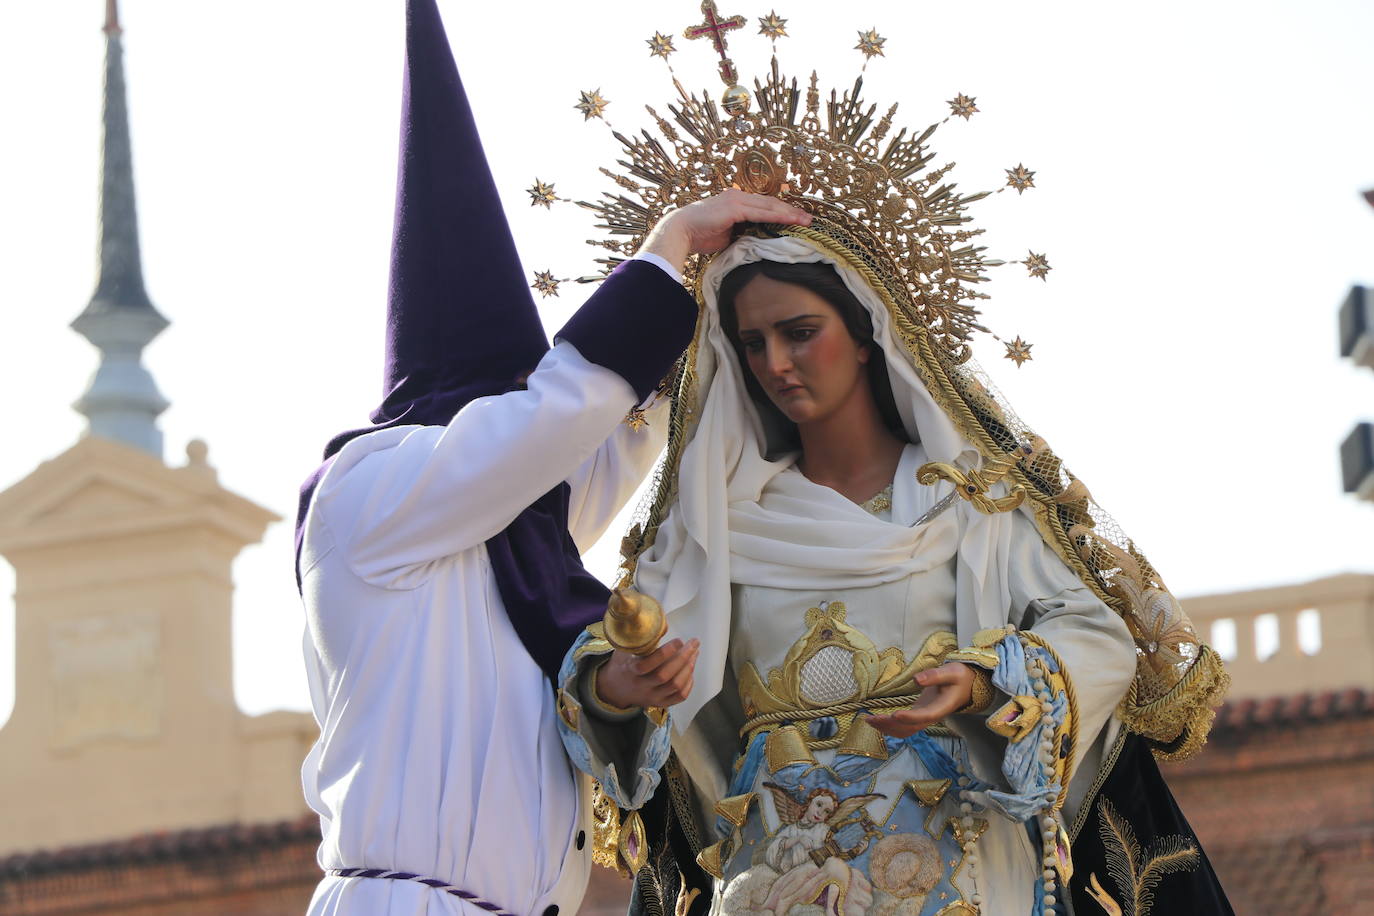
<point>1135,875</point>
<point>929,792</point>
<point>982,658</point>
<point>834,669</point>
<point>1015,719</point>
<point>1103,771</point>
<point>735,809</point>
<point>597,645</point>
<point>711,860</point>
<point>864,740</point>
<point>878,502</point>
<point>966,836</point>
<point>632,843</point>
<point>983,650</point>
<point>785,746</point>
<point>605,830</point>
<point>684,901</point>
<point>988,639</point>
<point>975,484</point>
<point>569,710</point>
<point>1103,899</point>
<point>980,692</point>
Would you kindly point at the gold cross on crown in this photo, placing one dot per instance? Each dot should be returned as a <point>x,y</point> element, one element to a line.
<point>715,28</point>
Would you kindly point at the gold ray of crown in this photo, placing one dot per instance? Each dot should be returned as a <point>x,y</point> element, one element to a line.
<point>833,158</point>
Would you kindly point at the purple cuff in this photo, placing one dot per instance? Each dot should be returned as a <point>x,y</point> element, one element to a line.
<point>636,324</point>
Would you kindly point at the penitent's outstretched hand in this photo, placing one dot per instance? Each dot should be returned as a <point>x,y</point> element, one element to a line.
<point>662,678</point>
<point>704,227</point>
<point>944,691</point>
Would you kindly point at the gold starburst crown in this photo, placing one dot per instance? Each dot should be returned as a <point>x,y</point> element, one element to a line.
<point>878,191</point>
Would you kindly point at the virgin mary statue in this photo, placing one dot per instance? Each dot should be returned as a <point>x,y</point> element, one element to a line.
<point>914,668</point>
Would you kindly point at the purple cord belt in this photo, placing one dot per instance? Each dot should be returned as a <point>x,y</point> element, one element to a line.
<point>419,879</point>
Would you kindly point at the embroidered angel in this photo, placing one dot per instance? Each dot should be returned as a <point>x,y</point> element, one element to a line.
<point>811,866</point>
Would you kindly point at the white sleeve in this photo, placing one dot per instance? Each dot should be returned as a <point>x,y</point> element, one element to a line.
<point>445,489</point>
<point>604,482</point>
<point>1091,638</point>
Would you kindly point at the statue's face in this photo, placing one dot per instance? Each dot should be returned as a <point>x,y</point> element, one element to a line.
<point>798,348</point>
<point>819,810</point>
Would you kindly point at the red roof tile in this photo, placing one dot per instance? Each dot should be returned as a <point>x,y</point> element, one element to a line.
<point>163,846</point>
<point>1250,713</point>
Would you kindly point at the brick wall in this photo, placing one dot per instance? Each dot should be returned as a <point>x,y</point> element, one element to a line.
<point>266,870</point>
<point>1282,798</point>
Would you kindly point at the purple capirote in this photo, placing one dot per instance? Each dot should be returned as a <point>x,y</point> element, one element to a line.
<point>461,324</point>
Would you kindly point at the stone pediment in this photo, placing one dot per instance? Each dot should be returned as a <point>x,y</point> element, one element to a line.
<point>100,488</point>
<point>96,497</point>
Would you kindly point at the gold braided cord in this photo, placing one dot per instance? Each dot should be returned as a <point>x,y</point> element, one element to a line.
<point>839,709</point>
<point>1103,771</point>
<point>1179,721</point>
<point>1072,716</point>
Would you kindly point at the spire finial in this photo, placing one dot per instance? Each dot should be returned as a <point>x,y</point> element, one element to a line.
<point>122,402</point>
<point>112,17</point>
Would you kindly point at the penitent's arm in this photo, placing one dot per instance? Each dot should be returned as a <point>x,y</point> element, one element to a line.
<point>444,489</point>
<point>602,484</point>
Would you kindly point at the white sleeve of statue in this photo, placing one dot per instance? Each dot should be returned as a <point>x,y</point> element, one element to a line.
<point>441,490</point>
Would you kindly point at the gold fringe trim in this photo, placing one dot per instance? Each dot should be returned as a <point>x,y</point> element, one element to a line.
<point>1178,723</point>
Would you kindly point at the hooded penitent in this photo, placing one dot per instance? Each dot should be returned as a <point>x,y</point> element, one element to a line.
<point>461,324</point>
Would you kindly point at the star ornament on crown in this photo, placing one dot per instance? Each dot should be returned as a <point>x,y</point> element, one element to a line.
<point>878,193</point>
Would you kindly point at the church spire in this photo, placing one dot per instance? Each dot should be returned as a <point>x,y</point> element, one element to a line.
<point>122,402</point>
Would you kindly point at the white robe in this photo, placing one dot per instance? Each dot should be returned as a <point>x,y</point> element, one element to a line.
<point>438,752</point>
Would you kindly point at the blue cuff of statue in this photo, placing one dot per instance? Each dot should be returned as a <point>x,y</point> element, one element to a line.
<point>1034,788</point>
<point>636,324</point>
<point>578,729</point>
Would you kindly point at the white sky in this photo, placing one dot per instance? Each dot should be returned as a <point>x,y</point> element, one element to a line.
<point>1197,169</point>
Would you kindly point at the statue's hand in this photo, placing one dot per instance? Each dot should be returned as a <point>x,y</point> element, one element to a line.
<point>662,678</point>
<point>945,690</point>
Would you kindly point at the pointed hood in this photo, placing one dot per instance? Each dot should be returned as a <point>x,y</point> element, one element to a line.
<point>461,324</point>
<point>461,320</point>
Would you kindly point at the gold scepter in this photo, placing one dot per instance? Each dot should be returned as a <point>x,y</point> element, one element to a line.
<point>634,622</point>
